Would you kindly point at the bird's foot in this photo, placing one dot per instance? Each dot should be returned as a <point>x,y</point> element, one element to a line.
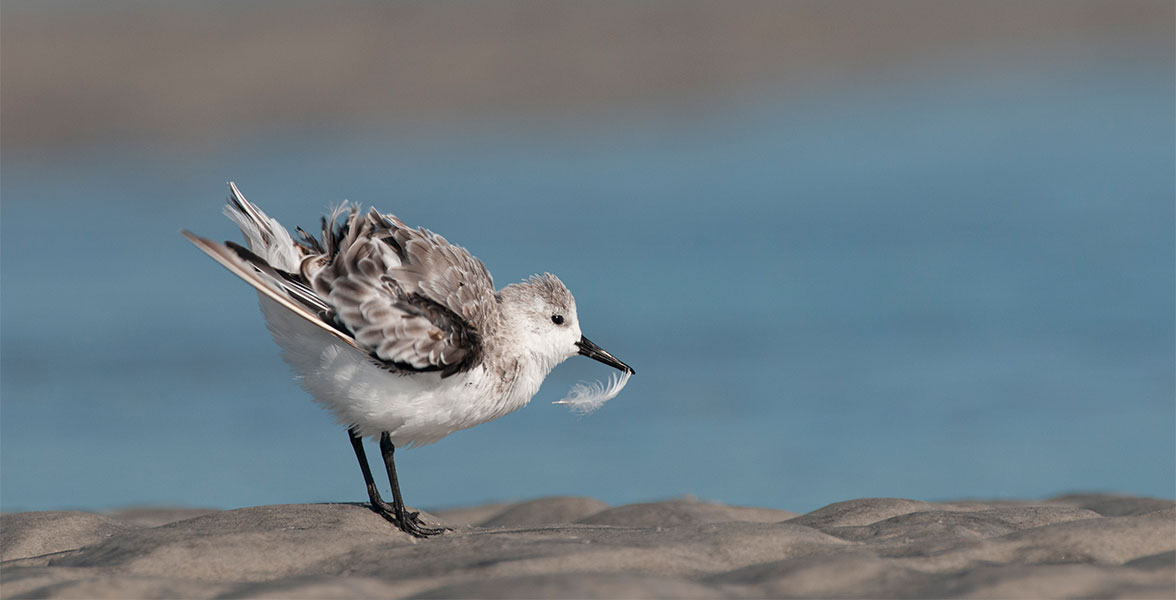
<point>419,528</point>
<point>409,522</point>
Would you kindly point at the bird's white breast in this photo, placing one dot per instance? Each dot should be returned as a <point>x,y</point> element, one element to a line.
<point>416,408</point>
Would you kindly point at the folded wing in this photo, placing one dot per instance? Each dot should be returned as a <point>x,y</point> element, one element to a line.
<point>408,295</point>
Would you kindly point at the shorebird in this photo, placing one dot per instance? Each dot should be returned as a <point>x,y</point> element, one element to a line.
<point>398,333</point>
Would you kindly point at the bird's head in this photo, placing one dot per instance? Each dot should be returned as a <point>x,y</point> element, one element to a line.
<point>541,313</point>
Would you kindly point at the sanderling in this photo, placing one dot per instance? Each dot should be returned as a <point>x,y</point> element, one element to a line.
<point>399,333</point>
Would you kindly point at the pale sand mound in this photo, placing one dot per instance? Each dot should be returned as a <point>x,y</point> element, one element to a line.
<point>1091,545</point>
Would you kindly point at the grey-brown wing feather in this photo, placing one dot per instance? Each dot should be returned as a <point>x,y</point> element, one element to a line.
<point>257,276</point>
<point>409,296</point>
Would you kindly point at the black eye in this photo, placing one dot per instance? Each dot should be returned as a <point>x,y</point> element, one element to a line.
<point>557,319</point>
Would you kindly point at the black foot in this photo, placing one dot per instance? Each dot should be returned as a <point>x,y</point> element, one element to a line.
<point>408,521</point>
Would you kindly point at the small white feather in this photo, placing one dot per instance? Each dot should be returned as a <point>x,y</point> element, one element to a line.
<point>585,398</point>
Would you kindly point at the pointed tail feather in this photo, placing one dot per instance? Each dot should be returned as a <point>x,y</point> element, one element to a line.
<point>263,234</point>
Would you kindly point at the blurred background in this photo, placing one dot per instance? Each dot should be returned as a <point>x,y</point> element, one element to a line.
<point>902,248</point>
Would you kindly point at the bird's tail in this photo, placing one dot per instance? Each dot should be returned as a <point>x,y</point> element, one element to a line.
<point>271,263</point>
<point>264,235</point>
<point>286,292</point>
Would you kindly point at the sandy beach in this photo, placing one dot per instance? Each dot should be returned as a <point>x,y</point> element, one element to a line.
<point>1071,546</point>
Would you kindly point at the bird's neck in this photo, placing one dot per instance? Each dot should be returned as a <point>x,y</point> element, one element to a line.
<point>525,368</point>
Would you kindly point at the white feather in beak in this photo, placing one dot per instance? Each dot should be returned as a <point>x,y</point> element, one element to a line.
<point>585,398</point>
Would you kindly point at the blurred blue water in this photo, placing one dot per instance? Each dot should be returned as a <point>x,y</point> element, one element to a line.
<point>959,283</point>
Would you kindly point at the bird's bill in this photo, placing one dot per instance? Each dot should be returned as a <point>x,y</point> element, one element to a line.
<point>587,348</point>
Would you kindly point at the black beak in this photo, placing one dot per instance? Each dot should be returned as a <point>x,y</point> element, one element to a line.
<point>587,348</point>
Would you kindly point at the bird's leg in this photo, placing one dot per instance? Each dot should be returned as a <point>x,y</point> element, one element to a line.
<point>378,504</point>
<point>408,521</point>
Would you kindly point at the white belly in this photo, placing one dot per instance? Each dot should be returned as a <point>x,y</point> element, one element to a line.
<point>415,408</point>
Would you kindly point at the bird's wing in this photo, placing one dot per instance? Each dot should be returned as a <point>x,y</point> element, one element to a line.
<point>256,272</point>
<point>409,296</point>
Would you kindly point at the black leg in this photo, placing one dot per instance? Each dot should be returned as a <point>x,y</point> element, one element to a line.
<point>408,522</point>
<point>411,521</point>
<point>378,503</point>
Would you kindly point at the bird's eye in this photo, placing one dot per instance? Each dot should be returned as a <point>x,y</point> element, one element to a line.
<point>557,319</point>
